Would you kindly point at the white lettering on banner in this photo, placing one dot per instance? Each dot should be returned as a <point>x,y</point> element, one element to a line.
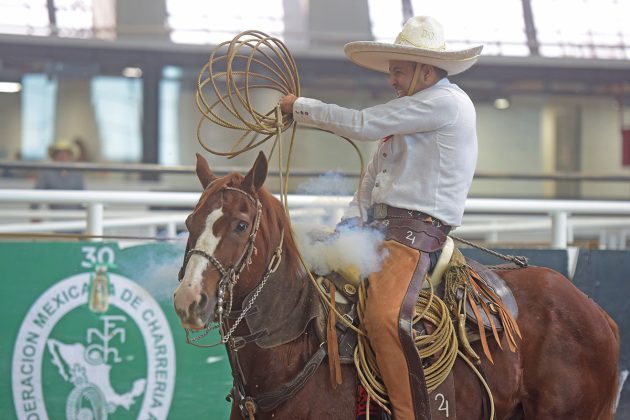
<point>57,301</point>
<point>35,346</point>
<point>161,352</point>
<point>94,256</point>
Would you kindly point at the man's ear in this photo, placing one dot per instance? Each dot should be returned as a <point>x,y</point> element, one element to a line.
<point>204,173</point>
<point>256,176</point>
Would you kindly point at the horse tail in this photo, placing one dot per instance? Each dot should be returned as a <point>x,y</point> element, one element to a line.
<point>608,412</point>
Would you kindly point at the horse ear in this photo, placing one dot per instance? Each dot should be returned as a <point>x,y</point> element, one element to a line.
<point>204,173</point>
<point>256,176</point>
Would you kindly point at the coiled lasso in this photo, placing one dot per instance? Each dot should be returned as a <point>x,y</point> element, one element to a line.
<point>438,346</point>
<point>249,62</point>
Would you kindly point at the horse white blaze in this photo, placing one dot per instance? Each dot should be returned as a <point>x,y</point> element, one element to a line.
<point>206,242</point>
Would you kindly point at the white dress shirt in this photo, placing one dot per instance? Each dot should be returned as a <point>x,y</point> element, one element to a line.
<point>429,162</point>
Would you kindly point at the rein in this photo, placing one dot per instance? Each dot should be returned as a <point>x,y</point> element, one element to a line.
<point>519,261</point>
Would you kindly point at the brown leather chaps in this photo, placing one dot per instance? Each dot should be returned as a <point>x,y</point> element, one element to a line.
<point>390,309</point>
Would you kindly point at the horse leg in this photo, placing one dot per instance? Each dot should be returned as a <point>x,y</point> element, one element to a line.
<point>608,412</point>
<point>570,352</point>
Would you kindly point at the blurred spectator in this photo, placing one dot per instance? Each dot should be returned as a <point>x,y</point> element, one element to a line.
<point>15,173</point>
<point>83,155</point>
<point>55,179</point>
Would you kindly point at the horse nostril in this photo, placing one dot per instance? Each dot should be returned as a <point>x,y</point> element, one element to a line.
<point>203,302</point>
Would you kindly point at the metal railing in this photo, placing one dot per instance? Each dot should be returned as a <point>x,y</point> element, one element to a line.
<point>560,215</point>
<point>297,172</point>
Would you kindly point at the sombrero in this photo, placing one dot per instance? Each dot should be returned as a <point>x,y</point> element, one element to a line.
<point>421,40</point>
<point>63,145</point>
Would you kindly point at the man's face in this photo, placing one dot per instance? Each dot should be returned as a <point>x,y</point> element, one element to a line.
<point>401,75</point>
<point>62,156</point>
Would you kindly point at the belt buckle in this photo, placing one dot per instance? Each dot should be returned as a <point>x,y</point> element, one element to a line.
<point>380,210</point>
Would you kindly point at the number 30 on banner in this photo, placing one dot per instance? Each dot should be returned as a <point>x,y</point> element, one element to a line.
<point>97,255</point>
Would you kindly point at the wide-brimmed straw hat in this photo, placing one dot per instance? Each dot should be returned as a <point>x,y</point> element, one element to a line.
<point>63,145</point>
<point>422,41</point>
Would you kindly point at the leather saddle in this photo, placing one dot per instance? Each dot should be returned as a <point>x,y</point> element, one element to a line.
<point>501,295</point>
<point>500,288</point>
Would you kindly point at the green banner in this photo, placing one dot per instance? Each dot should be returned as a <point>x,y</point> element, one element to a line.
<point>89,332</point>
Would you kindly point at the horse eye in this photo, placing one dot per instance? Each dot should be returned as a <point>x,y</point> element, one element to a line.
<point>241,226</point>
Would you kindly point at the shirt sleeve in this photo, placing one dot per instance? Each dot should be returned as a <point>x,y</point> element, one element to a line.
<point>422,112</point>
<point>367,185</point>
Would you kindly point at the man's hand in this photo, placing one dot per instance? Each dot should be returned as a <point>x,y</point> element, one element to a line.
<point>286,103</point>
<point>350,223</point>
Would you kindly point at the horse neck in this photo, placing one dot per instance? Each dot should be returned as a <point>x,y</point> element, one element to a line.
<point>265,369</point>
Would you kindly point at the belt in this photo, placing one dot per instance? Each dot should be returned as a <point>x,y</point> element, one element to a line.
<point>385,211</point>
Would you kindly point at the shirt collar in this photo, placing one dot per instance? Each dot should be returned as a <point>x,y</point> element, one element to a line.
<point>443,81</point>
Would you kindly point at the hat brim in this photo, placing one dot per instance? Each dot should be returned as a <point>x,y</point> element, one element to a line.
<point>377,55</point>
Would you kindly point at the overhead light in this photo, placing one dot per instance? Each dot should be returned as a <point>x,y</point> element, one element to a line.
<point>134,72</point>
<point>10,87</point>
<point>501,103</point>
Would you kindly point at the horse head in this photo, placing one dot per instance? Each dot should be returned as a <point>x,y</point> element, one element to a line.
<point>223,232</point>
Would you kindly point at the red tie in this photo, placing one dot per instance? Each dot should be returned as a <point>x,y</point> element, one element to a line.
<point>388,138</point>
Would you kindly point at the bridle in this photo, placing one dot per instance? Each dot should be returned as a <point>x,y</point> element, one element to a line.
<point>230,276</point>
<point>266,401</point>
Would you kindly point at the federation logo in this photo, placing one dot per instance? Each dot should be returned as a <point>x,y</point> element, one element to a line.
<point>90,365</point>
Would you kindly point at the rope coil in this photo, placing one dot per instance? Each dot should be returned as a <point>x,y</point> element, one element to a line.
<point>438,347</point>
<point>252,62</point>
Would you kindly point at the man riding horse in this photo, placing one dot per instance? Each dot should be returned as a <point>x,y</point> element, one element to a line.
<point>420,175</point>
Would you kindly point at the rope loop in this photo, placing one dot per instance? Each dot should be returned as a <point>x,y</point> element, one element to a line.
<point>240,74</point>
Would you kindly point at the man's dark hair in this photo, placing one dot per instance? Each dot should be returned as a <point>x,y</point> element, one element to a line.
<point>440,72</point>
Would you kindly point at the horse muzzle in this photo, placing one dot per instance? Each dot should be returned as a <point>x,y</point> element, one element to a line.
<point>193,306</point>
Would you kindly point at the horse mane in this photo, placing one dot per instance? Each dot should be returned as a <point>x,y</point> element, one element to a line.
<point>273,221</point>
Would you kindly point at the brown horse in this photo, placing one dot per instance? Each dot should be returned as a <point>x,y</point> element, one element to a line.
<point>240,246</point>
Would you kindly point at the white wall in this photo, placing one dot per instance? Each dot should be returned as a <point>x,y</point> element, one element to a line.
<point>509,141</point>
<point>601,148</point>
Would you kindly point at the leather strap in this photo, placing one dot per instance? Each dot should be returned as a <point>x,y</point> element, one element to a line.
<point>235,313</point>
<point>416,234</point>
<point>267,401</point>
<point>427,238</point>
<point>238,342</point>
<point>385,211</point>
<point>443,405</point>
<point>420,395</point>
